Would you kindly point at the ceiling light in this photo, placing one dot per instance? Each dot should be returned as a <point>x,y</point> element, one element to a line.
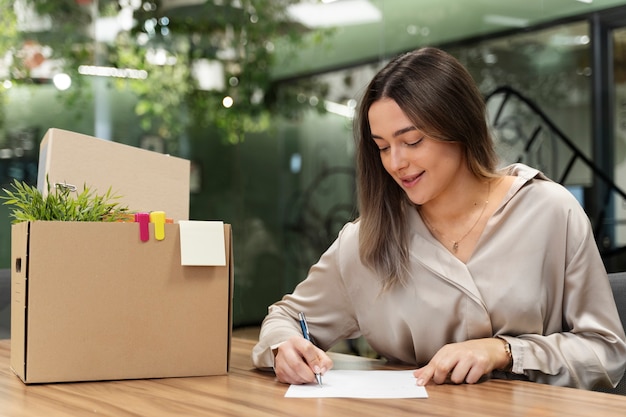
<point>565,40</point>
<point>337,13</point>
<point>173,4</point>
<point>62,81</point>
<point>505,20</point>
<point>340,109</point>
<point>112,72</point>
<point>228,102</point>
<point>586,1</point>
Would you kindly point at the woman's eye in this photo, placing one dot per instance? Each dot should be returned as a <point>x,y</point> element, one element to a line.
<point>415,143</point>
<point>381,145</point>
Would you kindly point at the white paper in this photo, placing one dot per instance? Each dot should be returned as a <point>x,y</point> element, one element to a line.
<point>361,384</point>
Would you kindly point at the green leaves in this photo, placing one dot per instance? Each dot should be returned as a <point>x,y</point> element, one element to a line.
<point>62,203</point>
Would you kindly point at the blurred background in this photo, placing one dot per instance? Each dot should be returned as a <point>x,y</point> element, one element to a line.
<point>259,95</point>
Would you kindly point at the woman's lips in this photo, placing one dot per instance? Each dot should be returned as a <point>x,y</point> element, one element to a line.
<point>410,180</point>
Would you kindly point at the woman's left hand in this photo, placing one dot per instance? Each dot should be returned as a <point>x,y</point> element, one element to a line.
<point>463,362</point>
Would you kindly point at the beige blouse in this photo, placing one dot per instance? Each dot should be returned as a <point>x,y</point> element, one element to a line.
<point>535,278</point>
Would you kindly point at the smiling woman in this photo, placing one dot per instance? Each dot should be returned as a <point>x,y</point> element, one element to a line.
<point>426,273</point>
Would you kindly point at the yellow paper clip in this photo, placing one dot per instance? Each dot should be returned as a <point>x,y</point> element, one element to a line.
<point>158,218</point>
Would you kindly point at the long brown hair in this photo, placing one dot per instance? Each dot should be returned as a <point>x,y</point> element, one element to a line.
<point>440,97</point>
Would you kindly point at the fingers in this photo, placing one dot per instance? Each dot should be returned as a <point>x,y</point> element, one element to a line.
<point>436,372</point>
<point>423,375</point>
<point>298,360</point>
<point>321,363</point>
<point>459,362</point>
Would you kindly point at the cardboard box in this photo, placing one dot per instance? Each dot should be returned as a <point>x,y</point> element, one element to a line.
<point>91,301</point>
<point>145,180</point>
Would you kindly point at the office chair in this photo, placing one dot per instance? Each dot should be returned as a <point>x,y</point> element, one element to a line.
<point>618,285</point>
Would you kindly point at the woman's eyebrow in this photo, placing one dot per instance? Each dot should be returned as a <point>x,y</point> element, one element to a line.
<point>403,131</point>
<point>397,132</point>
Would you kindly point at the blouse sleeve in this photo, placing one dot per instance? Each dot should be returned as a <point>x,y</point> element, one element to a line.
<point>591,349</point>
<point>322,297</point>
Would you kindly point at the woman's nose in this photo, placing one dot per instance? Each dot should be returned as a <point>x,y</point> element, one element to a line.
<point>397,158</point>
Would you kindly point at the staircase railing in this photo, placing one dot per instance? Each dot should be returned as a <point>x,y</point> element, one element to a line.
<point>528,135</point>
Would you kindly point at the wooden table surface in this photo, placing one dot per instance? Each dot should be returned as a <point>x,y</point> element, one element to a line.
<point>251,393</point>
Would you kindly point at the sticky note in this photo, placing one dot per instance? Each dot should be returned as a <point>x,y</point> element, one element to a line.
<point>202,243</point>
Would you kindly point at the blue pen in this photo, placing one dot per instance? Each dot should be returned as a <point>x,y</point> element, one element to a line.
<point>305,332</point>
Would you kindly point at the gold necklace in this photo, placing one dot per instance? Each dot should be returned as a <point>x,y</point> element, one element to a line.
<point>455,243</point>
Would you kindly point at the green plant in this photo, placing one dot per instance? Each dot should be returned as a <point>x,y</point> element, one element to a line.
<point>30,204</point>
<point>8,32</point>
<point>242,35</point>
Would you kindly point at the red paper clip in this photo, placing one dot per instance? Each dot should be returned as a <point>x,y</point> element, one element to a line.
<point>144,225</point>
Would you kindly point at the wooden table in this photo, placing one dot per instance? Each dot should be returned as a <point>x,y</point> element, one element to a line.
<point>251,393</point>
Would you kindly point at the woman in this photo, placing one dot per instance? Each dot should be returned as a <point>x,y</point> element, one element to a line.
<point>454,266</point>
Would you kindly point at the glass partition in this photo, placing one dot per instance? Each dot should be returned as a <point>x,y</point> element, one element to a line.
<point>538,80</point>
<point>262,104</point>
<point>618,217</point>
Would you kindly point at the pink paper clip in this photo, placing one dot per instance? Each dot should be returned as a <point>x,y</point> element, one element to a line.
<point>158,218</point>
<point>144,225</point>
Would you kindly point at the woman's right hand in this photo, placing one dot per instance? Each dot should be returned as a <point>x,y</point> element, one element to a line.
<point>297,361</point>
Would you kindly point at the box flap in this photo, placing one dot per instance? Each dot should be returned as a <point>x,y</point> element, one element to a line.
<point>145,180</point>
